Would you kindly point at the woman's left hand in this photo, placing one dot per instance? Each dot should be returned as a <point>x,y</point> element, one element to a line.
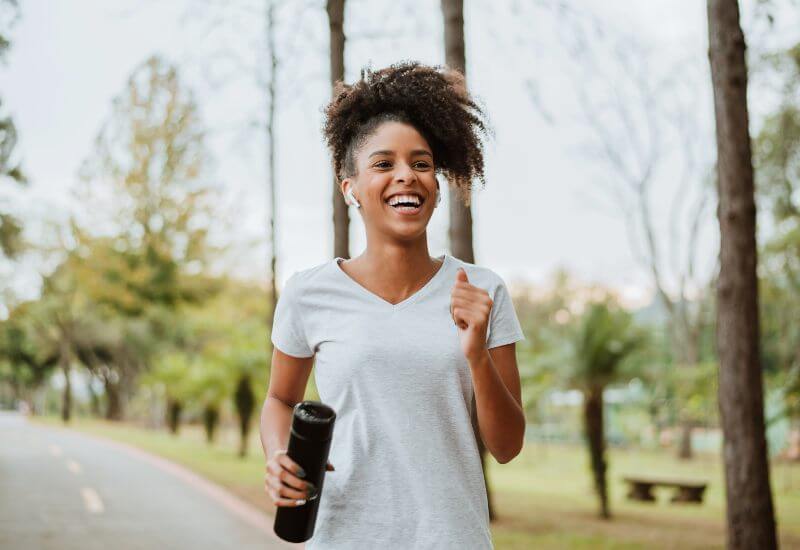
<point>470,307</point>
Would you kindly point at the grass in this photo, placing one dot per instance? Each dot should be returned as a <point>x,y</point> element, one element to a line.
<point>543,498</point>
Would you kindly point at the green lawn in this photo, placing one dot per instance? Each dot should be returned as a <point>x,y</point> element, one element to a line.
<point>543,498</point>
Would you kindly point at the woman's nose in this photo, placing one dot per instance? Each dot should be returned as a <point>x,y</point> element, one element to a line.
<point>404,173</point>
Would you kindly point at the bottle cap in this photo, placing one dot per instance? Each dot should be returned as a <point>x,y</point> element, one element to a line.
<point>313,420</point>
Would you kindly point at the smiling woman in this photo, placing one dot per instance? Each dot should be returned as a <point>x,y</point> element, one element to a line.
<point>406,347</point>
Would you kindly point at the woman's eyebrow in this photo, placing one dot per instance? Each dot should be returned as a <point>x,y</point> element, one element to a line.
<point>414,152</point>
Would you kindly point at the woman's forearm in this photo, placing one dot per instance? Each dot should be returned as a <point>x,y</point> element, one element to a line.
<point>275,425</point>
<point>500,418</point>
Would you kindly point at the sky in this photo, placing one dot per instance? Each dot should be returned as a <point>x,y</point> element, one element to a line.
<point>546,204</point>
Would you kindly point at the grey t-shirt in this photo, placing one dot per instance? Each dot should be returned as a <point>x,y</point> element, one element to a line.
<point>408,474</point>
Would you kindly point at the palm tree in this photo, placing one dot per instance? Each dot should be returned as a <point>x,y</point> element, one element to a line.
<point>600,341</point>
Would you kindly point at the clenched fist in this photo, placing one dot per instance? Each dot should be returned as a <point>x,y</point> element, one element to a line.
<point>470,307</point>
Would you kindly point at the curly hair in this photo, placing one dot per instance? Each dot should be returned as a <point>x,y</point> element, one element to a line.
<point>432,99</point>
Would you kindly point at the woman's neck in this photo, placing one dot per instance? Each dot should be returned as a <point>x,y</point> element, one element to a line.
<point>394,272</point>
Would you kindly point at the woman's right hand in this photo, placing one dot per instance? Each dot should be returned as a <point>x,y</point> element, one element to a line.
<point>283,481</point>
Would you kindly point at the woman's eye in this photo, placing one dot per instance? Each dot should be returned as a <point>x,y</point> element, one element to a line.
<point>387,164</point>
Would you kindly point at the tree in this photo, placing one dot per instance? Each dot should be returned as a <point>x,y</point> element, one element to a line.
<point>238,350</point>
<point>603,338</point>
<point>57,318</point>
<point>170,372</point>
<point>208,387</point>
<point>24,365</point>
<point>122,324</point>
<point>226,340</point>
<point>247,360</point>
<point>150,170</point>
<point>270,85</point>
<point>749,510</point>
<point>581,338</point>
<point>245,401</point>
<point>149,175</point>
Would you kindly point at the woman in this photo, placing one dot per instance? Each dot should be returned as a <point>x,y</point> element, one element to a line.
<point>401,340</point>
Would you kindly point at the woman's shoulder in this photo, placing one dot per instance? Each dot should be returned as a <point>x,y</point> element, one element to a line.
<point>304,278</point>
<point>478,275</point>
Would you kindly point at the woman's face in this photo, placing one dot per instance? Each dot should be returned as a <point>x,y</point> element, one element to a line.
<point>395,161</point>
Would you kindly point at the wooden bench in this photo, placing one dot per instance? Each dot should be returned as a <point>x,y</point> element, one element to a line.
<point>641,488</point>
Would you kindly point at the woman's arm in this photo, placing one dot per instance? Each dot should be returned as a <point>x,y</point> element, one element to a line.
<point>495,375</point>
<point>288,377</point>
<point>501,421</point>
<point>287,385</point>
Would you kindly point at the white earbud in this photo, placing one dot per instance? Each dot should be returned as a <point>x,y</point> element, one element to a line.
<point>353,200</point>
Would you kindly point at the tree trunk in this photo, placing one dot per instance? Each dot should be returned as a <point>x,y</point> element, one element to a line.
<point>245,404</point>
<point>793,448</point>
<point>341,216</point>
<point>460,231</point>
<point>113,402</point>
<point>210,420</point>
<point>685,444</point>
<point>174,408</point>
<point>684,353</point>
<point>94,399</point>
<point>595,439</point>
<point>750,513</point>
<point>66,402</point>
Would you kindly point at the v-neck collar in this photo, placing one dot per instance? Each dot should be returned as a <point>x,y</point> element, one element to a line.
<point>385,303</point>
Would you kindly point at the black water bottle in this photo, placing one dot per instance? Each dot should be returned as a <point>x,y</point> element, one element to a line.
<point>309,443</point>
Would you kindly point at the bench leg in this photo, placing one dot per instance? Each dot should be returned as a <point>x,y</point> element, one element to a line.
<point>642,492</point>
<point>688,494</point>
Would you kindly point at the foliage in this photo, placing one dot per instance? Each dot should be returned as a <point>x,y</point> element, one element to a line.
<point>11,242</point>
<point>119,300</point>
<point>604,337</point>
<point>777,164</point>
<point>566,327</point>
<point>24,364</point>
<point>216,344</point>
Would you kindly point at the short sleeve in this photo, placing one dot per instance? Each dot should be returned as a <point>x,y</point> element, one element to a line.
<point>504,327</point>
<point>288,333</point>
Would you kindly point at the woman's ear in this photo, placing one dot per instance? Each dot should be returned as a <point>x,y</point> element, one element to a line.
<point>347,191</point>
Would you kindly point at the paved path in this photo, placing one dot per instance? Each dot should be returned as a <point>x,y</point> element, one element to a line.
<point>62,490</point>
